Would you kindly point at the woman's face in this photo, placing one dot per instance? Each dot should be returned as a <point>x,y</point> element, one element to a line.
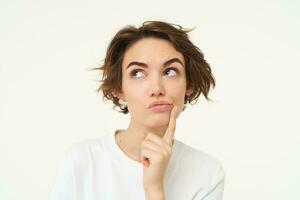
<point>152,70</point>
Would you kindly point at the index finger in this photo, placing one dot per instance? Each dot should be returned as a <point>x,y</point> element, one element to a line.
<point>169,135</point>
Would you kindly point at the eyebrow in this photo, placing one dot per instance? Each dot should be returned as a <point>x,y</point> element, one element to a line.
<point>168,62</point>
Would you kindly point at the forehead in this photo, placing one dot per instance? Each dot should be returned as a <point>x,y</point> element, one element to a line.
<point>151,51</point>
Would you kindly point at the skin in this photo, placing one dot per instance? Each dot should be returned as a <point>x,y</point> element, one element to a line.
<point>149,136</point>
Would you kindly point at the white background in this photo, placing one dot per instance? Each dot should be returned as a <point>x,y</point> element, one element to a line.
<point>48,97</point>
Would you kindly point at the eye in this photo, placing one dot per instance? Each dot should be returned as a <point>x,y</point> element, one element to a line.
<point>173,71</point>
<point>136,73</point>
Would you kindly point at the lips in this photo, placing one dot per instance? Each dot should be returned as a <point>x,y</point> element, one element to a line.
<point>161,108</point>
<point>159,104</point>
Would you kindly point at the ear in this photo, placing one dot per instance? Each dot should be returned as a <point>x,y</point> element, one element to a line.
<point>189,91</point>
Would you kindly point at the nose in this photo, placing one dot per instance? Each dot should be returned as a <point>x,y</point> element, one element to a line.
<point>156,87</point>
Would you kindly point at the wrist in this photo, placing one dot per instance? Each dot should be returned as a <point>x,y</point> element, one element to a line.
<point>155,192</point>
<point>159,195</point>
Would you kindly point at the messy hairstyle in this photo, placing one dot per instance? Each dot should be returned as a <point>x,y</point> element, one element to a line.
<point>198,71</point>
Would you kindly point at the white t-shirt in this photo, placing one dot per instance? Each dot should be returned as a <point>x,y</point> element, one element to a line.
<point>97,169</point>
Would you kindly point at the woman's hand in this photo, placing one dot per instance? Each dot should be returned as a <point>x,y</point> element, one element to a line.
<point>155,156</point>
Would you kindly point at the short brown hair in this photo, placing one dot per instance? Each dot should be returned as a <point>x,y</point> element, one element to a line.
<point>198,71</point>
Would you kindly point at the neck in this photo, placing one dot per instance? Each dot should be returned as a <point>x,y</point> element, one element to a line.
<point>130,140</point>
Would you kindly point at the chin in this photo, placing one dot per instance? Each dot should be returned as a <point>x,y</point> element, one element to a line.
<point>158,122</point>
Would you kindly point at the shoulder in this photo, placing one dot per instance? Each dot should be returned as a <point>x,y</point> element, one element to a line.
<point>83,150</point>
<point>197,157</point>
<point>200,164</point>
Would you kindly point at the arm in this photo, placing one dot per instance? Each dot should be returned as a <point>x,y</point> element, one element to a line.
<point>217,189</point>
<point>63,187</point>
<point>215,193</point>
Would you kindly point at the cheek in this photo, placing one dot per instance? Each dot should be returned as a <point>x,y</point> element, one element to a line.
<point>133,94</point>
<point>177,92</point>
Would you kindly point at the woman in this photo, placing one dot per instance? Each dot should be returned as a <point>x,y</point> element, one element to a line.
<point>150,72</point>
